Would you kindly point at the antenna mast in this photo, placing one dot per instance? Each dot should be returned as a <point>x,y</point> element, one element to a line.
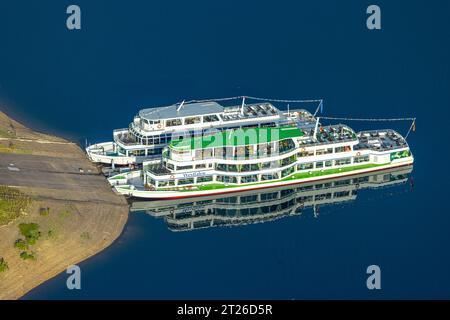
<point>180,106</point>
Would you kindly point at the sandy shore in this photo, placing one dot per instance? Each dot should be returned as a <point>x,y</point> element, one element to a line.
<point>85,216</point>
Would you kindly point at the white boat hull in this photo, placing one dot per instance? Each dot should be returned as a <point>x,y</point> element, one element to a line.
<point>130,191</point>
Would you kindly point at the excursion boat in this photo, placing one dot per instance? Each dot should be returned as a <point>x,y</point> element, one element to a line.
<point>153,129</point>
<point>267,205</point>
<point>245,159</point>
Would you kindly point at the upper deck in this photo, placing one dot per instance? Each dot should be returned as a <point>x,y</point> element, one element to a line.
<point>204,115</point>
<point>331,134</point>
<point>380,140</point>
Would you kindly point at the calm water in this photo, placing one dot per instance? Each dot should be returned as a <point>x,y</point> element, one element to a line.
<point>84,84</point>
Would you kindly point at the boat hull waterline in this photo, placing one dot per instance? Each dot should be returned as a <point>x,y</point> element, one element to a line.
<point>172,195</point>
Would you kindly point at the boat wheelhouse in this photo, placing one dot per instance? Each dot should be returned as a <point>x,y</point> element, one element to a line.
<point>259,206</point>
<point>239,160</point>
<point>154,128</point>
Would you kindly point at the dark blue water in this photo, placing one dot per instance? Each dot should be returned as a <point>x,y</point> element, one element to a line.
<point>86,83</point>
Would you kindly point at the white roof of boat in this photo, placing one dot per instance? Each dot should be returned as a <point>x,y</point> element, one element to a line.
<point>187,110</point>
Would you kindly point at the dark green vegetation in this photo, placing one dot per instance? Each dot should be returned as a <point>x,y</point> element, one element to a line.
<point>3,265</point>
<point>30,231</point>
<point>12,203</point>
<point>27,256</point>
<point>21,244</point>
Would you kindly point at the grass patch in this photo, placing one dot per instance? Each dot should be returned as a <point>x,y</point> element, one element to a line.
<point>28,256</point>
<point>85,236</point>
<point>12,203</point>
<point>3,265</point>
<point>30,231</point>
<point>7,134</point>
<point>65,213</point>
<point>21,244</point>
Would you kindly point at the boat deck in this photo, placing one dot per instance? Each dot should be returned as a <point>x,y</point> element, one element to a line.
<point>380,140</point>
<point>329,135</point>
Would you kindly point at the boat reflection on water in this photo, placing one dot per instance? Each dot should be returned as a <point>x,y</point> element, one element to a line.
<point>268,205</point>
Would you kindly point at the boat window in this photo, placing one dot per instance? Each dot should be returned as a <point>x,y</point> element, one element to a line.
<point>248,179</point>
<point>226,179</point>
<point>305,153</point>
<point>268,125</point>
<point>342,149</point>
<point>249,167</point>
<point>306,166</point>
<point>341,162</point>
<point>192,120</point>
<point>204,179</point>
<point>210,118</point>
<point>361,159</point>
<point>286,145</point>
<point>287,161</point>
<point>184,167</point>
<point>328,163</point>
<point>200,166</point>
<point>163,183</point>
<point>287,172</point>
<point>269,176</point>
<point>319,164</point>
<point>173,122</point>
<point>265,165</point>
<point>137,153</point>
<point>185,181</point>
<point>324,151</point>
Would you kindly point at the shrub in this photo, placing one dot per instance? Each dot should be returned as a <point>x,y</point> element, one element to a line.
<point>44,211</point>
<point>3,265</point>
<point>30,231</point>
<point>27,256</point>
<point>21,244</point>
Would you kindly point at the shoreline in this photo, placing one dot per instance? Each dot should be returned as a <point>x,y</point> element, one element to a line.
<point>85,215</point>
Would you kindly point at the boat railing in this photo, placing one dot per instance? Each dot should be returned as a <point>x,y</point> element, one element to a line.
<point>157,169</point>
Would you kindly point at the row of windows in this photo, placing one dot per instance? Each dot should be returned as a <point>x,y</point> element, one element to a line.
<point>288,161</point>
<point>165,138</point>
<point>191,120</point>
<point>141,152</point>
<point>324,151</point>
<point>197,166</point>
<point>272,165</point>
<point>264,177</point>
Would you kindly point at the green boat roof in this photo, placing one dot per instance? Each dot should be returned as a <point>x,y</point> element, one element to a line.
<point>238,137</point>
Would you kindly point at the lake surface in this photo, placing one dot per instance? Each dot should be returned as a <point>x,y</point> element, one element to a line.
<point>83,84</point>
